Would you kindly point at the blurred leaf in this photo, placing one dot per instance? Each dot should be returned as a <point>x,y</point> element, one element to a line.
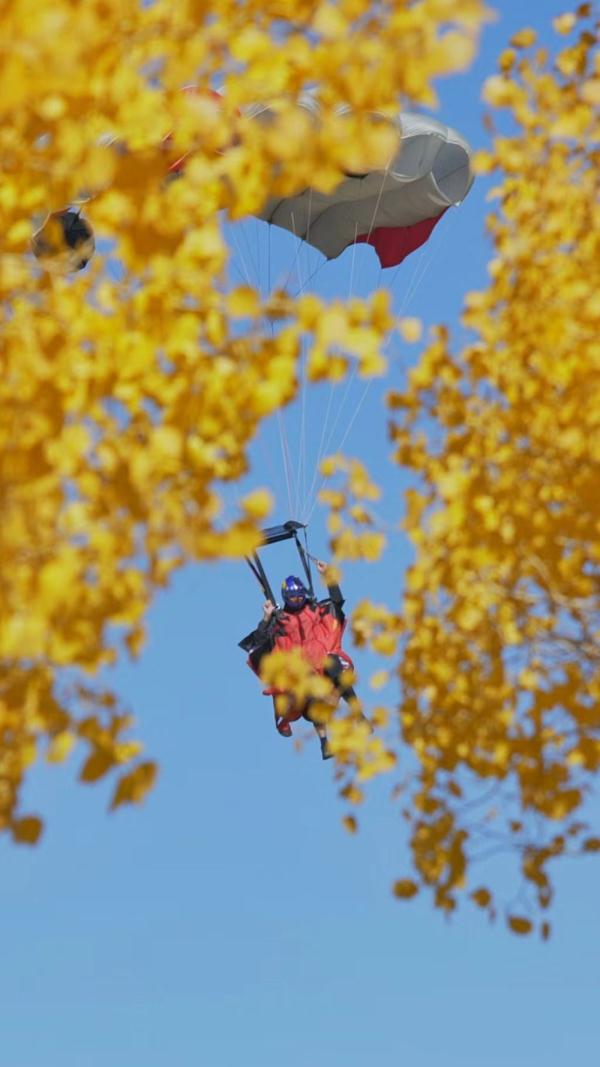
<point>96,766</point>
<point>519,925</point>
<point>405,888</point>
<point>133,786</point>
<point>27,831</point>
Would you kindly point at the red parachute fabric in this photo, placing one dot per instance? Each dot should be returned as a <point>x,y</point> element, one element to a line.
<point>394,243</point>
<point>179,164</point>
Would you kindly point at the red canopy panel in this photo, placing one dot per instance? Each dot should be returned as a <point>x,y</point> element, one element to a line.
<point>394,243</point>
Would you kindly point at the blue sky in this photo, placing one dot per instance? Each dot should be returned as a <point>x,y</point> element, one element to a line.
<point>231,920</point>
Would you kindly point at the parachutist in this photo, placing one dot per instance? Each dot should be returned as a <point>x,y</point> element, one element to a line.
<point>64,243</point>
<point>316,628</point>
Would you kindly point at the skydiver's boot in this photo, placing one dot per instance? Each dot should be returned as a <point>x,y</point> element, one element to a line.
<point>283,727</point>
<point>326,752</point>
<point>355,707</point>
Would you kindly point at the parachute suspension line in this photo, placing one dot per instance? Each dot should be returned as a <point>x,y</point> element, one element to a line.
<point>378,201</point>
<point>285,454</point>
<point>352,264</point>
<point>269,260</point>
<point>303,445</point>
<point>332,387</point>
<point>421,270</point>
<point>301,472</point>
<point>254,263</point>
<point>245,276</point>
<point>320,454</point>
<point>349,385</point>
<point>355,415</point>
<point>257,258</point>
<point>347,391</point>
<point>280,420</point>
<point>283,440</point>
<point>301,242</point>
<point>353,375</point>
<point>313,274</point>
<point>344,438</point>
<point>422,266</point>
<point>302,375</point>
<point>303,458</point>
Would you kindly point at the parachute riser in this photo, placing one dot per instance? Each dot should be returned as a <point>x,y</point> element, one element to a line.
<point>305,558</point>
<point>272,535</point>
<point>259,573</point>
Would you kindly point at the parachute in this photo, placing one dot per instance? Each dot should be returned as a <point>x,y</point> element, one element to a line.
<point>64,243</point>
<point>391,204</point>
<point>394,208</point>
<point>317,630</point>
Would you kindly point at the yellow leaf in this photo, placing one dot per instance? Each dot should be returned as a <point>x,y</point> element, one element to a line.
<point>167,442</point>
<point>380,717</point>
<point>60,747</point>
<point>499,92</point>
<point>590,91</point>
<point>330,465</point>
<point>519,925</point>
<point>482,897</point>
<point>384,643</point>
<point>379,679</point>
<point>524,38</point>
<point>405,889</point>
<point>563,24</point>
<point>258,504</point>
<point>243,302</point>
<point>27,831</point>
<point>350,824</point>
<point>329,22</point>
<point>132,787</point>
<point>96,766</point>
<point>353,794</point>
<point>410,329</point>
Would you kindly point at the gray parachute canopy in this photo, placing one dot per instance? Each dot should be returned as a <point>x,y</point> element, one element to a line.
<point>394,208</point>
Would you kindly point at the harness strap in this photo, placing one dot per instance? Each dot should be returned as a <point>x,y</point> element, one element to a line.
<point>259,573</point>
<point>304,556</point>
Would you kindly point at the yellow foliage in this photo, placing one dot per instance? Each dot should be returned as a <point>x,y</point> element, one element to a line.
<point>125,405</point>
<point>520,925</point>
<point>410,329</point>
<point>482,897</point>
<point>499,667</point>
<point>133,786</point>
<point>26,831</point>
<point>405,889</point>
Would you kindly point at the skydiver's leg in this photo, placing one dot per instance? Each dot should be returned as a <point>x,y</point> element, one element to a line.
<point>280,706</point>
<point>321,731</point>
<point>334,670</point>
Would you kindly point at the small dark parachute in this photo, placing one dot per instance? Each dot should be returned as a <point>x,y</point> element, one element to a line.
<point>64,243</point>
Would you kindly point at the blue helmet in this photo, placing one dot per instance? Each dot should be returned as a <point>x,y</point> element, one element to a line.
<point>294,593</point>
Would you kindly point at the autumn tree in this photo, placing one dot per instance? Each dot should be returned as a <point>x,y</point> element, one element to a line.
<point>125,401</point>
<point>498,632</point>
<point>129,392</point>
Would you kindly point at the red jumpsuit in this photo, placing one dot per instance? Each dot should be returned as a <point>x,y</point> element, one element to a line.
<point>317,630</point>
